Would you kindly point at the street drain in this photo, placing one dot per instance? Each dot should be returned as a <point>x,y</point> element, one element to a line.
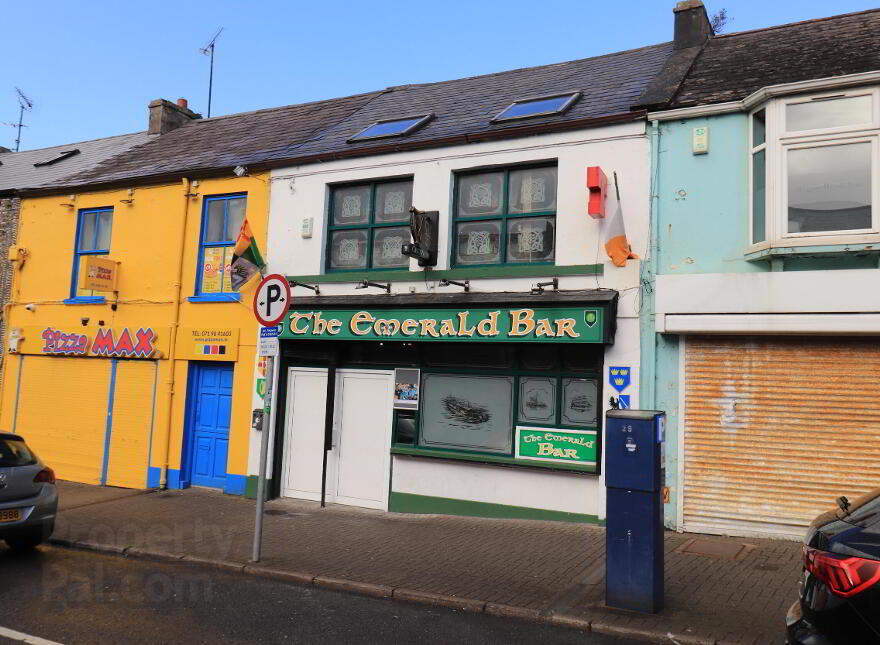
<point>716,549</point>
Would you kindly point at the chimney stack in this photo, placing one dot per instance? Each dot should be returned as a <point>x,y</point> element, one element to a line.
<point>165,116</point>
<point>692,27</point>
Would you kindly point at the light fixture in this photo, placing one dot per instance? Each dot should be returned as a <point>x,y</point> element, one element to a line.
<point>240,171</point>
<point>363,284</point>
<point>466,285</point>
<point>538,288</point>
<point>315,288</point>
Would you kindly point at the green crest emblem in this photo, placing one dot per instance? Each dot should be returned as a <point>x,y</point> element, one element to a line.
<point>590,317</point>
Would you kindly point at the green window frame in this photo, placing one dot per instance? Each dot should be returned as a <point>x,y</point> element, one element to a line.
<point>366,215</point>
<point>495,213</point>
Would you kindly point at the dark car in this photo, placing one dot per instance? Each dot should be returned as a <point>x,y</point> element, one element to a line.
<point>28,496</point>
<point>840,590</point>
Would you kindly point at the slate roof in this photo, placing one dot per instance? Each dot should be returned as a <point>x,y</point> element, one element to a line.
<point>463,108</point>
<point>17,170</point>
<point>732,66</point>
<point>466,106</point>
<point>221,142</point>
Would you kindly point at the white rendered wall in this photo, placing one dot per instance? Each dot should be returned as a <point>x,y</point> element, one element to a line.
<point>303,192</point>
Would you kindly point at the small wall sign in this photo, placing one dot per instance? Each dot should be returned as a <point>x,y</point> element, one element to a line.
<point>557,446</point>
<point>619,378</point>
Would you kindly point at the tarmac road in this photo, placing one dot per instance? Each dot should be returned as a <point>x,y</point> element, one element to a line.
<point>76,597</point>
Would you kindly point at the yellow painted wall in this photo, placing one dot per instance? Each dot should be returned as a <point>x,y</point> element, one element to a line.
<point>146,239</point>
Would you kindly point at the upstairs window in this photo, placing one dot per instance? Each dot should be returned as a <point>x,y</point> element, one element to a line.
<point>369,223</point>
<point>392,127</point>
<point>222,217</point>
<point>93,229</point>
<point>505,216</point>
<point>814,167</point>
<point>538,106</point>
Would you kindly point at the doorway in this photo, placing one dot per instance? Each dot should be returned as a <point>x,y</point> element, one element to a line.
<point>359,462</point>
<point>207,438</point>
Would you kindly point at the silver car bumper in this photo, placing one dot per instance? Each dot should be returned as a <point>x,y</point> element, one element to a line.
<point>36,512</point>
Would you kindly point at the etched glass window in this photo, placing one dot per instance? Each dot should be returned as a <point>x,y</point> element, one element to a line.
<point>495,216</point>
<point>369,224</point>
<point>579,402</point>
<point>478,243</point>
<point>537,400</point>
<point>462,412</point>
<point>530,240</point>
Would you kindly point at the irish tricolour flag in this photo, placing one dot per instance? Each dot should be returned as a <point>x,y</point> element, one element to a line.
<point>246,258</point>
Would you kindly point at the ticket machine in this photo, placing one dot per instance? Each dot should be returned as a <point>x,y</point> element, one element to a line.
<point>634,525</point>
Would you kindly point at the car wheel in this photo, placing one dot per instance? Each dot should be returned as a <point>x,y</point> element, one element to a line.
<point>31,539</point>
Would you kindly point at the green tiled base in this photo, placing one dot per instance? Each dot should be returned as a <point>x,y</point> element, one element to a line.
<point>409,503</point>
<point>250,490</point>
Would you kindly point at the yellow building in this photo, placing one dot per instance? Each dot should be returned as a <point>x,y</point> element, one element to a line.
<point>130,359</point>
<point>150,384</point>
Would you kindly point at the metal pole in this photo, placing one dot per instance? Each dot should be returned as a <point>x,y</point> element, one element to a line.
<point>210,80</point>
<point>20,119</point>
<point>264,454</point>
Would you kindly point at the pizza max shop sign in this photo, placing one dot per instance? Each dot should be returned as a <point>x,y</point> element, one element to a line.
<point>119,343</point>
<point>566,325</point>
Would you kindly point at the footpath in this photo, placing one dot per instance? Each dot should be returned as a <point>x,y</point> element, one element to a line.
<point>719,591</point>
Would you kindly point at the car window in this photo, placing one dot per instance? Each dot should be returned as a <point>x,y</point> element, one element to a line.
<point>864,510</point>
<point>13,452</point>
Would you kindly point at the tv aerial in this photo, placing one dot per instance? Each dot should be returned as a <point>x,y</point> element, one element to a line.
<point>24,104</point>
<point>208,50</point>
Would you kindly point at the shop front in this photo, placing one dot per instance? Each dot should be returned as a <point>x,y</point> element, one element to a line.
<point>85,399</point>
<point>482,404</point>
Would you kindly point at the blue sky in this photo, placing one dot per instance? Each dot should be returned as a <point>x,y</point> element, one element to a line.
<point>92,67</point>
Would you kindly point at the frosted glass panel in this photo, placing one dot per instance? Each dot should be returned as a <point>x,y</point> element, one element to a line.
<point>532,190</point>
<point>579,402</point>
<point>478,243</point>
<point>235,218</point>
<point>215,219</point>
<point>351,205</point>
<point>348,249</point>
<point>530,239</point>
<point>387,243</point>
<point>467,412</point>
<point>393,201</point>
<point>480,194</point>
<point>537,400</point>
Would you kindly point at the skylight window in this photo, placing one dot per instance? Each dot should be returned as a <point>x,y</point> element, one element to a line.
<point>538,106</point>
<point>392,127</point>
<point>59,157</point>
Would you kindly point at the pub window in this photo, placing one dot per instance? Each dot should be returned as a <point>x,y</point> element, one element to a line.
<point>369,223</point>
<point>222,217</point>
<point>505,216</point>
<point>474,407</point>
<point>93,229</point>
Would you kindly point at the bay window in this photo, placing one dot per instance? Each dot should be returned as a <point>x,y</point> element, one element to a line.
<point>813,169</point>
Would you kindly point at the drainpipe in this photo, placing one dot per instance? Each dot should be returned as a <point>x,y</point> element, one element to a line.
<point>175,322</point>
<point>647,322</point>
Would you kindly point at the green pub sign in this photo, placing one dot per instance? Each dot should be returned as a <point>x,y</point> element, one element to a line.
<point>560,325</point>
<point>556,446</point>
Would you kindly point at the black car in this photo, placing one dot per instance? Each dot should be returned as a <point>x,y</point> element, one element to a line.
<point>840,590</point>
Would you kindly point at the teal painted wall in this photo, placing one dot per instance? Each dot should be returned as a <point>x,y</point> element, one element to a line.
<point>702,214</point>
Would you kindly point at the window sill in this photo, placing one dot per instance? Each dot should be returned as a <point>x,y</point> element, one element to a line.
<point>489,459</point>
<point>85,300</point>
<point>792,249</point>
<point>216,297</point>
<point>459,273</point>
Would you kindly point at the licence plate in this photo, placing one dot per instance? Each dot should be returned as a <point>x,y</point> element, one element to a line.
<point>10,515</point>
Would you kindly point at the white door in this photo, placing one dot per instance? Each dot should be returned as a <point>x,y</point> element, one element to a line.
<point>304,433</point>
<point>363,437</point>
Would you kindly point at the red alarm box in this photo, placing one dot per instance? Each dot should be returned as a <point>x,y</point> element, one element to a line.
<point>597,182</point>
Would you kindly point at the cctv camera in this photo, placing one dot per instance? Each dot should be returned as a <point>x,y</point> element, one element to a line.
<point>31,307</point>
<point>240,171</point>
<point>84,321</point>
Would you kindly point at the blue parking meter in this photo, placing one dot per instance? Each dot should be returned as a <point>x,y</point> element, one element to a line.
<point>634,524</point>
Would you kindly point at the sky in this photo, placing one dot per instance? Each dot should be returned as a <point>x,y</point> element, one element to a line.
<point>91,67</point>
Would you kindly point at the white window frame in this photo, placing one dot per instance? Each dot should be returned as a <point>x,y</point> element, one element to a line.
<point>777,144</point>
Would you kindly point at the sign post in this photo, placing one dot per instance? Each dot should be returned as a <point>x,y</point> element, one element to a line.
<point>271,302</point>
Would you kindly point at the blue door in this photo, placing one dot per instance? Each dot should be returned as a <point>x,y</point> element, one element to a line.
<point>209,436</point>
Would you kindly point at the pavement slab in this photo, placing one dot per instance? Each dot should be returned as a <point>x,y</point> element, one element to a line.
<point>730,589</point>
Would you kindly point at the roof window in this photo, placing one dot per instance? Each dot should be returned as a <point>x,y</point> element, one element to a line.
<point>538,106</point>
<point>392,127</point>
<point>61,156</point>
